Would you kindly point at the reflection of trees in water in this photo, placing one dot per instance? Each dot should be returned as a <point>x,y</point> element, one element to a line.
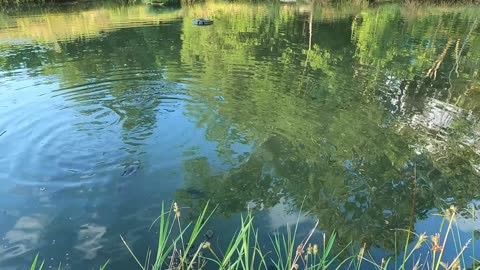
<point>332,143</point>
<point>330,111</point>
<point>446,132</point>
<point>126,62</point>
<point>115,78</point>
<point>361,197</point>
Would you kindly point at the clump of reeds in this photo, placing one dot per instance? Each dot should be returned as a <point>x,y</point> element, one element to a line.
<point>244,251</point>
<point>179,252</point>
<point>180,248</point>
<point>436,243</point>
<point>176,252</point>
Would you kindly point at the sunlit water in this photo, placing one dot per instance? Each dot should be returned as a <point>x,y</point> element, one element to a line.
<point>365,118</point>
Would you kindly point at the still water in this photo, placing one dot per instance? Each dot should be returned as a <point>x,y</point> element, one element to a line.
<point>366,118</point>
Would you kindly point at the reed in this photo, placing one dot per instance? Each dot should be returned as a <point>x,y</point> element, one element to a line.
<point>176,249</point>
<point>42,264</point>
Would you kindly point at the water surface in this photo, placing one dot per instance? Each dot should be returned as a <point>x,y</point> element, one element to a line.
<point>366,118</point>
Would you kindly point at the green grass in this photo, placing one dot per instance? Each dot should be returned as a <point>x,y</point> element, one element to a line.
<point>41,265</point>
<point>176,248</point>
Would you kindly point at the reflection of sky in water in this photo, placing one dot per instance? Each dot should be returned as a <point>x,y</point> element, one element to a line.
<point>25,235</point>
<point>90,238</point>
<point>430,227</point>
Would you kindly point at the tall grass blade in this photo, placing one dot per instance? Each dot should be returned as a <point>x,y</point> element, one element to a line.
<point>199,225</point>
<point>131,252</point>
<point>328,248</point>
<point>104,266</point>
<point>34,263</point>
<point>336,256</point>
<point>33,266</point>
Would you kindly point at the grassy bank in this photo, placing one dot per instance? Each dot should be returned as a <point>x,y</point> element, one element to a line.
<point>187,246</point>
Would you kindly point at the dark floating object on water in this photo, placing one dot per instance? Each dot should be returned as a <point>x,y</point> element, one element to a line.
<point>202,22</point>
<point>195,193</point>
<point>209,234</point>
<point>133,168</point>
<point>3,132</point>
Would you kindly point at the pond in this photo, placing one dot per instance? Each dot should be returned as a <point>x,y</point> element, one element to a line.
<point>365,118</point>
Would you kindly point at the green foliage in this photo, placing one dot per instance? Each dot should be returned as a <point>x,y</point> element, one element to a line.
<point>245,252</point>
<point>305,144</point>
<point>35,261</point>
<point>34,264</point>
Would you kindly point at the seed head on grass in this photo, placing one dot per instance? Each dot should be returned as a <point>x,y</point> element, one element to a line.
<point>455,264</point>
<point>176,210</point>
<point>420,241</point>
<point>436,240</point>
<point>450,212</point>
<point>360,255</point>
<point>299,250</point>
<point>315,249</point>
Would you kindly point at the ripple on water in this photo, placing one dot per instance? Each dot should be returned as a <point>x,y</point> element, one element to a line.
<point>82,133</point>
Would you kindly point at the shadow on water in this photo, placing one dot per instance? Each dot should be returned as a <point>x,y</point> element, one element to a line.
<point>114,109</point>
